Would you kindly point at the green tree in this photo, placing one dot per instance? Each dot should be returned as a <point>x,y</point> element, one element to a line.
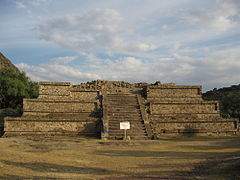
<point>14,86</point>
<point>229,98</point>
<point>231,105</point>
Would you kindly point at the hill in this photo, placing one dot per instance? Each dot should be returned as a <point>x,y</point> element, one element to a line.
<point>6,64</point>
<point>229,98</point>
<point>14,85</point>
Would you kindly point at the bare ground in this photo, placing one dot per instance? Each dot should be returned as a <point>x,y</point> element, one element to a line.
<point>65,157</point>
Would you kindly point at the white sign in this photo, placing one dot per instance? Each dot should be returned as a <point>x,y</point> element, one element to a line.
<point>125,125</point>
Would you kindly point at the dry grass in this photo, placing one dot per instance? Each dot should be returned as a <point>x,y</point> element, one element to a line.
<point>83,158</point>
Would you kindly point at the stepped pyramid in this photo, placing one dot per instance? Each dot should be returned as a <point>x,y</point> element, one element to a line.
<point>98,107</point>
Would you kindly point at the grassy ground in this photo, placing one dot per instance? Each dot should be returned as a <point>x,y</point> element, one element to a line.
<point>82,158</point>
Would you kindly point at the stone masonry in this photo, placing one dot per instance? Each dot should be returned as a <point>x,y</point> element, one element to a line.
<point>98,107</point>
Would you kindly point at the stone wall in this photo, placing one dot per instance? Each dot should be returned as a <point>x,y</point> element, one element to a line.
<point>173,91</point>
<point>84,95</point>
<point>61,108</point>
<point>194,128</point>
<point>54,89</point>
<point>50,126</point>
<point>168,109</point>
<point>180,110</point>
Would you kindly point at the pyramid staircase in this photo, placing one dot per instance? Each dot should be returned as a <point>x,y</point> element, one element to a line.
<point>121,108</point>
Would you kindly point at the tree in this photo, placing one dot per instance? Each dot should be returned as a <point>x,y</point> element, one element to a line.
<point>231,105</point>
<point>229,98</point>
<point>14,86</point>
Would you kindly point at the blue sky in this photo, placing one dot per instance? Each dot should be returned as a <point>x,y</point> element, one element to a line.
<point>186,42</point>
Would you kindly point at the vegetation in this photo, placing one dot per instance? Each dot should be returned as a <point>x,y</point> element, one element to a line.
<point>14,86</point>
<point>229,98</point>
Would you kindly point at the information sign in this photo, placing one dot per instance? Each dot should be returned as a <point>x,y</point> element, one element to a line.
<point>125,125</point>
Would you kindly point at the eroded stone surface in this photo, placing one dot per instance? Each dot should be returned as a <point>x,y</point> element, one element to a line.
<point>154,109</point>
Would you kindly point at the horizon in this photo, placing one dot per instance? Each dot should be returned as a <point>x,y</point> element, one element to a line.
<point>180,41</point>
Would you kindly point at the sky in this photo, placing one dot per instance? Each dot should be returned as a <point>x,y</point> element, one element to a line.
<point>187,42</point>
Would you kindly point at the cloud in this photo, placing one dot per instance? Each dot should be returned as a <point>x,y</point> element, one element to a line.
<point>38,2</point>
<point>65,59</point>
<point>216,69</point>
<point>177,41</point>
<point>194,23</point>
<point>54,70</point>
<point>20,5</point>
<point>221,17</point>
<point>96,30</point>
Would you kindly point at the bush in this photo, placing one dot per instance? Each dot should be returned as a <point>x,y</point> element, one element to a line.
<point>14,86</point>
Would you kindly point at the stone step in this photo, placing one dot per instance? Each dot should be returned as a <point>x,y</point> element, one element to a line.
<point>130,132</point>
<point>133,130</point>
<point>131,137</point>
<point>122,114</point>
<point>190,120</point>
<point>122,103</point>
<point>117,133</point>
<point>122,99</point>
<point>132,123</point>
<point>123,106</point>
<point>123,120</point>
<point>131,111</point>
<point>51,119</point>
<point>121,94</point>
<point>141,128</point>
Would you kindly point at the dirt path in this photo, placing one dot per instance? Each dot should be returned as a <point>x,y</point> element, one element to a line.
<point>81,158</point>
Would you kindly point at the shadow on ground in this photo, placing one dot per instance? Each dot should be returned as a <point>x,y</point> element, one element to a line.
<point>213,165</point>
<point>229,142</point>
<point>55,168</point>
<point>147,178</point>
<point>160,154</point>
<point>12,177</point>
<point>227,168</point>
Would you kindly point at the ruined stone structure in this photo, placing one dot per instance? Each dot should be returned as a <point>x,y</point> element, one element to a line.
<point>97,108</point>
